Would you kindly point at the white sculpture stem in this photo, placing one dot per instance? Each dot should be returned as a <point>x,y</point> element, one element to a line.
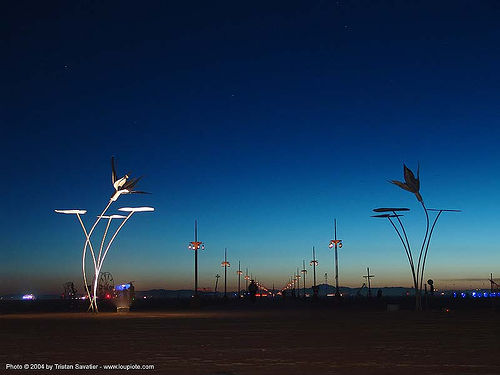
<point>98,268</point>
<point>93,304</point>
<point>103,239</point>
<point>83,260</point>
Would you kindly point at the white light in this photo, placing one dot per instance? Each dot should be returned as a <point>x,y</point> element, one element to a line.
<point>71,212</point>
<point>113,217</point>
<point>136,209</point>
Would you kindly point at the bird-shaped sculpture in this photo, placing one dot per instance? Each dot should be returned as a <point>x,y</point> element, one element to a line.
<point>124,185</point>
<point>411,183</point>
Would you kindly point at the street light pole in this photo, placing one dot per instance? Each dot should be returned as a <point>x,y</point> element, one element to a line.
<point>196,259</point>
<point>239,279</point>
<point>195,246</point>
<point>225,264</point>
<point>297,277</point>
<point>246,280</point>
<point>304,272</point>
<point>337,244</point>
<point>314,263</point>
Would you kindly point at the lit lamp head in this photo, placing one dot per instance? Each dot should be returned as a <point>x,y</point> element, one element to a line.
<point>112,217</point>
<point>313,263</point>
<point>196,245</point>
<point>136,209</point>
<point>304,271</point>
<point>247,277</point>
<point>71,212</point>
<point>335,242</point>
<point>239,272</point>
<point>225,264</point>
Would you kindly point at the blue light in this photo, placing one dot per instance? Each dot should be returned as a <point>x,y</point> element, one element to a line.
<point>485,294</point>
<point>122,287</point>
<point>474,294</point>
<point>454,294</point>
<point>463,294</point>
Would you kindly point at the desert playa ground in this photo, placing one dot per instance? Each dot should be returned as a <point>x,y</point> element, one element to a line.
<point>258,341</point>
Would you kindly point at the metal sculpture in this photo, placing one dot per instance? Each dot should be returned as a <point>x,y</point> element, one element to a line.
<point>124,185</point>
<point>412,184</point>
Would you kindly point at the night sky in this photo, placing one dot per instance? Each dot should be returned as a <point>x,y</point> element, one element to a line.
<point>263,120</point>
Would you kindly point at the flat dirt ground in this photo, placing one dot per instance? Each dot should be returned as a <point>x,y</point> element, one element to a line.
<point>321,341</point>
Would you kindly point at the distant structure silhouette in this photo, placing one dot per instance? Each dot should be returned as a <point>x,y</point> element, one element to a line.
<point>69,290</point>
<point>216,283</point>
<point>493,284</point>
<point>252,290</point>
<point>368,277</point>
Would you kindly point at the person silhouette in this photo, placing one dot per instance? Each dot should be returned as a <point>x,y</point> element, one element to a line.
<point>252,290</point>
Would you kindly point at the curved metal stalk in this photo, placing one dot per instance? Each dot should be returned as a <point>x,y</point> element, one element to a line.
<point>103,239</point>
<point>406,238</point>
<point>408,254</point>
<point>419,275</point>
<point>427,246</point>
<point>98,269</point>
<point>88,242</point>
<point>425,238</point>
<point>83,262</point>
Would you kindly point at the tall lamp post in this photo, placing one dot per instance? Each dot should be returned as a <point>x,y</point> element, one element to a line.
<point>246,280</point>
<point>304,272</point>
<point>225,264</point>
<point>297,278</point>
<point>239,272</point>
<point>314,263</point>
<point>336,244</point>
<point>195,246</point>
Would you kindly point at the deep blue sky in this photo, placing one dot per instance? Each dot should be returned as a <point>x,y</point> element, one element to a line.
<point>264,120</point>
